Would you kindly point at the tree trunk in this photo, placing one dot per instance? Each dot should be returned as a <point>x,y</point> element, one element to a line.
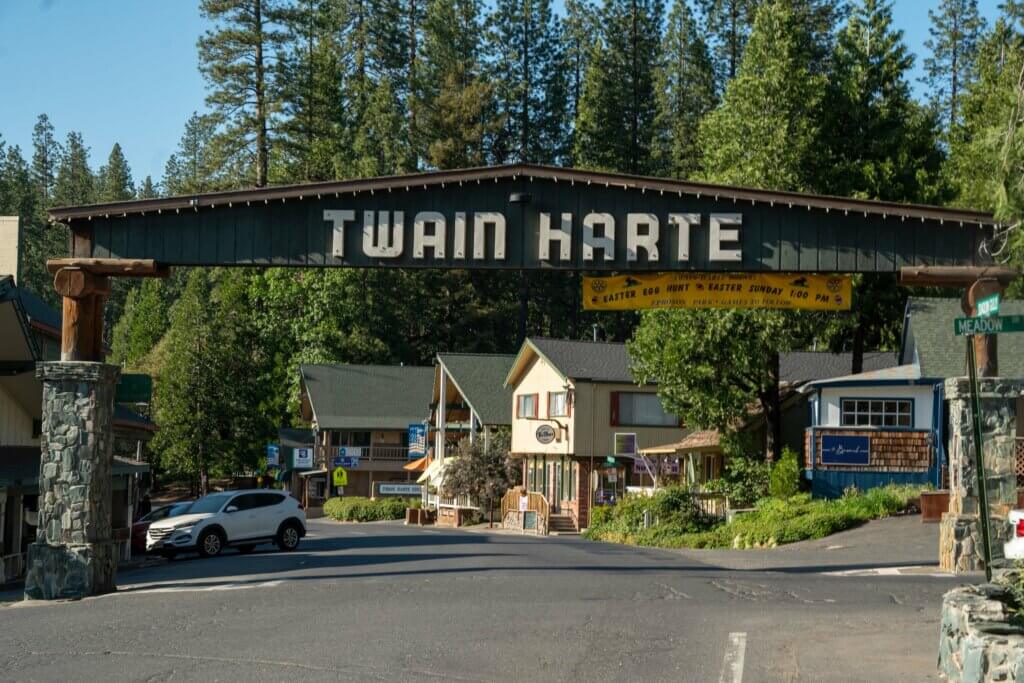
<point>773,414</point>
<point>524,301</point>
<point>261,105</point>
<point>857,366</point>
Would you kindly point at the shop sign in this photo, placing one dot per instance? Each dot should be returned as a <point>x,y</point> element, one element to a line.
<point>545,434</point>
<point>845,450</point>
<point>625,444</point>
<point>273,455</point>
<point>399,490</point>
<point>717,290</point>
<point>302,458</point>
<point>342,461</point>
<point>417,441</point>
<point>668,465</point>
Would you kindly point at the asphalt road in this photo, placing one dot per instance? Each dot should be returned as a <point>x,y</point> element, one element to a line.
<point>388,602</point>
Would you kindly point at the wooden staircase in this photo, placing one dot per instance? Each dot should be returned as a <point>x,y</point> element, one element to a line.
<point>561,525</point>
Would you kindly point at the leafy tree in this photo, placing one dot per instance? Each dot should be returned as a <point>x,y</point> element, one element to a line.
<point>685,87</point>
<point>785,476</point>
<point>955,31</point>
<point>484,472</point>
<point>236,57</point>
<point>766,133</point>
<point>615,120</point>
<point>528,66</point>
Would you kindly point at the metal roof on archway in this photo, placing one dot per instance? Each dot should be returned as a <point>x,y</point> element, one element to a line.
<point>528,216</point>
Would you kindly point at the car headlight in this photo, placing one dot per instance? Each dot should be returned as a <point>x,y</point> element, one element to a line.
<point>184,527</point>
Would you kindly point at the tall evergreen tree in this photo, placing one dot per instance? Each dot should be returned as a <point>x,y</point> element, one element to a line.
<point>46,153</point>
<point>142,325</point>
<point>767,131</point>
<point>686,93</point>
<point>193,167</point>
<point>528,66</point>
<point>579,27</point>
<point>75,183</point>
<point>236,57</point>
<point>147,190</point>
<point>955,31</point>
<point>615,123</point>
<point>728,22</point>
<point>114,180</point>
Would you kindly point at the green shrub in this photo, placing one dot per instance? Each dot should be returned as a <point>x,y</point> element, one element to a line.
<point>785,477</point>
<point>670,512</point>
<point>359,509</point>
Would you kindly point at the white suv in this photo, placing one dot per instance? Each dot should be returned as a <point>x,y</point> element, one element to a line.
<point>243,519</point>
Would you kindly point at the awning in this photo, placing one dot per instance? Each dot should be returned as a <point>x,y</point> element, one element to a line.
<point>283,475</point>
<point>418,465</point>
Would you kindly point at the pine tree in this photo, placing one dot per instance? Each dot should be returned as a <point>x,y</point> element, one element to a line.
<point>955,31</point>
<point>686,93</point>
<point>46,153</point>
<point>114,180</point>
<point>147,190</point>
<point>236,58</point>
<point>728,22</point>
<point>379,146</point>
<point>75,183</point>
<point>194,167</point>
<point>615,123</point>
<point>18,197</point>
<point>578,30</point>
<point>310,90</point>
<point>766,133</point>
<point>528,66</point>
<point>142,325</point>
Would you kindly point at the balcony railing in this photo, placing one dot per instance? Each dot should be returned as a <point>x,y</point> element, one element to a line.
<point>375,453</point>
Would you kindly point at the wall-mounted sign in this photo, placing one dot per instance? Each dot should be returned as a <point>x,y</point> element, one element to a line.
<point>273,455</point>
<point>351,452</point>
<point>302,458</point>
<point>399,490</point>
<point>341,461</point>
<point>717,290</point>
<point>625,443</point>
<point>417,441</point>
<point>545,434</point>
<point>845,450</point>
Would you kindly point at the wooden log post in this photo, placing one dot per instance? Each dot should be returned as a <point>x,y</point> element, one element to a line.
<point>82,326</point>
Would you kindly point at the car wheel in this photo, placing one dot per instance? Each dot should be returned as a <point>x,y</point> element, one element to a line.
<point>288,536</point>
<point>210,543</point>
<point>246,549</point>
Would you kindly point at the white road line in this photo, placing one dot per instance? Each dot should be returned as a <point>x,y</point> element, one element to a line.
<point>202,589</point>
<point>732,666</point>
<point>358,533</point>
<point>918,570</point>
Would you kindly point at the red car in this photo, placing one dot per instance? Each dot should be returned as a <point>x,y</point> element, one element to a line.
<point>141,526</point>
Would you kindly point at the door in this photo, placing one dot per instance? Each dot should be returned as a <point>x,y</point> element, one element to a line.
<point>554,492</point>
<point>238,524</point>
<point>268,514</point>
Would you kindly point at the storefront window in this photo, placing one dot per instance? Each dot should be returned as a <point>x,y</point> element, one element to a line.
<point>876,413</point>
<point>644,410</point>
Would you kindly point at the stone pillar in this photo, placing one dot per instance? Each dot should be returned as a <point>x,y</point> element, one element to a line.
<point>960,547</point>
<point>74,554</point>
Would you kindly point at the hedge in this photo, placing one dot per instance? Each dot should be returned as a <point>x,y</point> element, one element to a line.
<point>359,509</point>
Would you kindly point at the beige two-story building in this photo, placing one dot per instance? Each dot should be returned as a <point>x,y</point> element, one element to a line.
<point>570,399</point>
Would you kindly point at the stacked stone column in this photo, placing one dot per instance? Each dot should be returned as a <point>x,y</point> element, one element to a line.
<point>74,554</point>
<point>960,542</point>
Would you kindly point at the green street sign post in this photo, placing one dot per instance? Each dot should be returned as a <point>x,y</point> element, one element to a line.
<point>989,306</point>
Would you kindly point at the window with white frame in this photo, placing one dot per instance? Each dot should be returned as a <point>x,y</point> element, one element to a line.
<point>877,412</point>
<point>526,405</point>
<point>558,404</point>
<point>643,410</point>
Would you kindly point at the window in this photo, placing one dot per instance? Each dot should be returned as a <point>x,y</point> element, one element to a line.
<point>361,439</point>
<point>267,499</point>
<point>558,404</point>
<point>877,412</point>
<point>526,405</point>
<point>640,410</point>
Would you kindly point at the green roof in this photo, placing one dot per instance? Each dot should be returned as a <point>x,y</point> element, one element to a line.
<point>928,339</point>
<point>480,378</point>
<point>368,396</point>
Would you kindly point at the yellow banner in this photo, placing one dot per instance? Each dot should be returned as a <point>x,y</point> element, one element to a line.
<point>717,290</point>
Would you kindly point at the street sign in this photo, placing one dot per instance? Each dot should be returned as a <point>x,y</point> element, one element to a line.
<point>339,477</point>
<point>989,306</point>
<point>993,325</point>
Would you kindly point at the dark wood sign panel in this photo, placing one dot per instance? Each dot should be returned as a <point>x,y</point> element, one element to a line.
<point>565,220</point>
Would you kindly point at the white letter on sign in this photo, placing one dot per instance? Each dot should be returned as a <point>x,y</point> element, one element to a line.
<point>719,235</point>
<point>606,243</point>
<point>684,221</point>
<point>480,221</point>
<point>389,239</point>
<point>421,239</point>
<point>635,241</point>
<point>337,219</point>
<point>562,236</point>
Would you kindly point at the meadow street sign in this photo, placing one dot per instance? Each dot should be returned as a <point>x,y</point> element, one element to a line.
<point>993,325</point>
<point>989,306</point>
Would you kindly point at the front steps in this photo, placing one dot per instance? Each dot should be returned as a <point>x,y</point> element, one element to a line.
<point>561,525</point>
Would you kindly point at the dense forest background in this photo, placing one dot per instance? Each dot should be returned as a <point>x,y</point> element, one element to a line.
<point>807,95</point>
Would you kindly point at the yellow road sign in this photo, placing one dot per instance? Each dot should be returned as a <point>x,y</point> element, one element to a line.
<point>717,290</point>
<point>340,476</point>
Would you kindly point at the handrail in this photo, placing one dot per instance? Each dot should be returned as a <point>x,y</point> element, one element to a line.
<point>535,502</point>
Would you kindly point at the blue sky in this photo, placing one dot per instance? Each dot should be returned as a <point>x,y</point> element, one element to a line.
<point>125,70</point>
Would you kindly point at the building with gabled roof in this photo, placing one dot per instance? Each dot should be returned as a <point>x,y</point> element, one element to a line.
<point>471,388</point>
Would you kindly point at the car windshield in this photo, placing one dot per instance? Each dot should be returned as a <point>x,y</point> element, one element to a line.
<point>179,509</point>
<point>210,503</point>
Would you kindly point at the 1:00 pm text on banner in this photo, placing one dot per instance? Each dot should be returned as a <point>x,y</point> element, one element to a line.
<point>717,290</point>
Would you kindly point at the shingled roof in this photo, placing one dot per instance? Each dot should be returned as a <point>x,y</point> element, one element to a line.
<point>480,378</point>
<point>367,396</point>
<point>928,339</point>
<point>585,360</point>
<point>806,366</point>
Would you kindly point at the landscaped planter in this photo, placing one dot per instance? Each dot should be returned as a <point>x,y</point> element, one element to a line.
<point>977,642</point>
<point>933,504</point>
<point>412,515</point>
